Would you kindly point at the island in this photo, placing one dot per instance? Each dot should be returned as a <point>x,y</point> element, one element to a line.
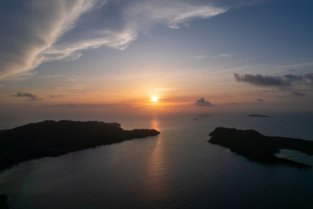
<point>260,148</point>
<point>54,138</point>
<point>4,201</point>
<point>258,116</point>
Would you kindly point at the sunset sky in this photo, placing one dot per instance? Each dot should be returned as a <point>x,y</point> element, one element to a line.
<point>114,55</point>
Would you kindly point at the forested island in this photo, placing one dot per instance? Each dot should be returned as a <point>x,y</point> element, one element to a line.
<point>4,201</point>
<point>260,148</point>
<point>54,138</point>
<point>258,116</point>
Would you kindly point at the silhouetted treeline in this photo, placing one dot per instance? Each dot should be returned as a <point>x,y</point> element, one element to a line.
<point>258,147</point>
<point>52,138</point>
<point>4,201</point>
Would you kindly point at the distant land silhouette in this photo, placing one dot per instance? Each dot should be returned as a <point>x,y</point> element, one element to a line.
<point>258,115</point>
<point>260,148</point>
<point>53,138</point>
<point>4,201</point>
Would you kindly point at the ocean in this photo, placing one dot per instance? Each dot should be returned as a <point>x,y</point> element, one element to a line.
<point>177,169</point>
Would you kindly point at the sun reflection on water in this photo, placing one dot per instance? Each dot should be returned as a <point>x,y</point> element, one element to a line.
<point>156,183</point>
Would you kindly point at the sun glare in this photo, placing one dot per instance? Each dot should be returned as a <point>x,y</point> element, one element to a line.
<point>154,99</point>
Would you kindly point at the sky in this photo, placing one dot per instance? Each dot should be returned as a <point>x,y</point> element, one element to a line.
<point>66,56</point>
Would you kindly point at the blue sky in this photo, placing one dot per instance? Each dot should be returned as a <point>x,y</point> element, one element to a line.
<point>123,51</point>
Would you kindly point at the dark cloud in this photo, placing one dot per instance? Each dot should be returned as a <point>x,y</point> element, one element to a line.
<point>203,103</point>
<point>261,80</point>
<point>28,96</point>
<point>289,80</point>
<point>56,95</point>
<point>297,94</point>
<point>260,100</point>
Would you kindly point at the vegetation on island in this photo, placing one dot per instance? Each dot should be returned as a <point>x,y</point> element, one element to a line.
<point>260,148</point>
<point>54,138</point>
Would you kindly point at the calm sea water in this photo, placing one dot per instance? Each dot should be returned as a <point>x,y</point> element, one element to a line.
<point>177,169</point>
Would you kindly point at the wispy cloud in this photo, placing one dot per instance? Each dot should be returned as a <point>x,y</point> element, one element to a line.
<point>203,102</point>
<point>22,76</point>
<point>56,95</point>
<point>43,31</point>
<point>33,29</point>
<point>297,94</point>
<point>67,78</point>
<point>172,13</point>
<point>27,96</point>
<point>224,55</point>
<point>118,40</point>
<point>201,57</point>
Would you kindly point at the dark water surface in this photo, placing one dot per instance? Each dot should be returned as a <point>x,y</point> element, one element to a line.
<point>177,169</point>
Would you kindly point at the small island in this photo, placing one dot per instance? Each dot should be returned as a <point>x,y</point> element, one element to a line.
<point>260,148</point>
<point>258,116</point>
<point>54,138</point>
<point>4,201</point>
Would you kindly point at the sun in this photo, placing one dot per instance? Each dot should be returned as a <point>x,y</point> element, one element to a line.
<point>154,99</point>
